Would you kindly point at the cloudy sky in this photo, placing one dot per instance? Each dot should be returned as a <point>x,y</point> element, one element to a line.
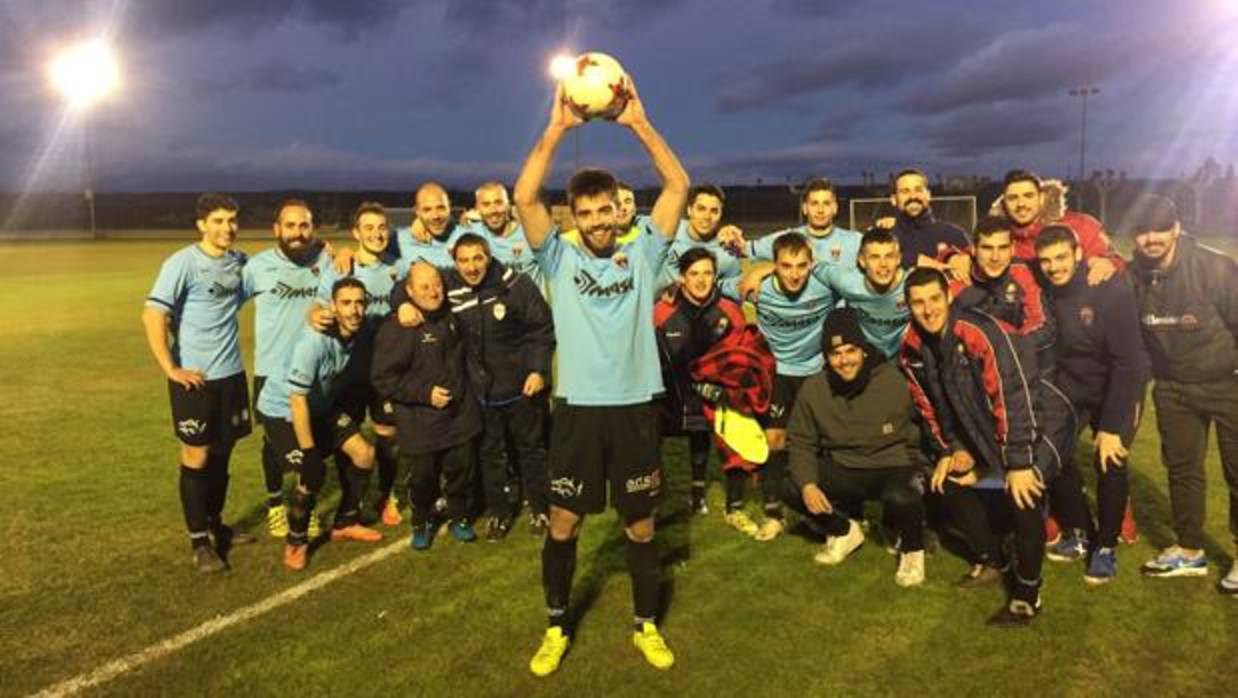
<point>382,94</point>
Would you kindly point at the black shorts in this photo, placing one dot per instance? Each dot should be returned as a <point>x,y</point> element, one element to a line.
<point>786,388</point>
<point>217,413</point>
<point>330,433</point>
<point>358,398</point>
<point>593,446</point>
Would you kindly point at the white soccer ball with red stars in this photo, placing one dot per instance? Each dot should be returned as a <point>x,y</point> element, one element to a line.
<point>596,86</point>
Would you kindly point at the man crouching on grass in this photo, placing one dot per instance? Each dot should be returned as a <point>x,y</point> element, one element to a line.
<point>850,439</point>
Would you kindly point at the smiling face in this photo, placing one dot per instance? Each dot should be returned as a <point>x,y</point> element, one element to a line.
<point>698,281</point>
<point>911,195</point>
<point>294,230</point>
<point>626,200</point>
<point>372,232</point>
<point>472,262</point>
<point>597,219</point>
<point>1022,202</point>
<point>1059,261</point>
<point>704,214</point>
<point>846,361</point>
<point>819,209</point>
<point>425,287</point>
<point>1157,245</point>
<point>349,308</point>
<point>433,209</point>
<point>495,208</point>
<point>218,229</point>
<point>930,306</point>
<point>880,262</point>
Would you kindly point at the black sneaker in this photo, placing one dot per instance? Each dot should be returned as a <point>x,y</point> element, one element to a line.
<point>980,576</point>
<point>1016,614</point>
<point>207,560</point>
<point>227,537</point>
<point>498,528</point>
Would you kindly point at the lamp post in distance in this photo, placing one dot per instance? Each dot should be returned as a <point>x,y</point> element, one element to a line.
<point>1083,91</point>
<point>84,74</point>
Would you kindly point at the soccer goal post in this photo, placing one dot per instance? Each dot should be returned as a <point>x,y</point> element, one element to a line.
<point>959,210</point>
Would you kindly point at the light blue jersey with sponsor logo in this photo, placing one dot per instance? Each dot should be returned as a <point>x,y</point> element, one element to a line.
<point>315,370</point>
<point>512,249</point>
<point>840,247</point>
<point>728,263</point>
<point>379,279</point>
<point>883,316</point>
<point>791,324</point>
<point>436,252</point>
<point>282,291</point>
<point>603,315</point>
<point>201,295</point>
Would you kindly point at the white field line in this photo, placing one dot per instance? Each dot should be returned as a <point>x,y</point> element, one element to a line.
<point>128,663</point>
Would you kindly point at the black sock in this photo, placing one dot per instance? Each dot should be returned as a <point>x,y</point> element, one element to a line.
<point>558,568</point>
<point>771,483</point>
<point>735,489</point>
<point>387,455</point>
<point>698,454</point>
<point>300,508</point>
<point>349,512</point>
<point>646,580</point>
<point>217,471</point>
<point>194,486</point>
<point>272,475</point>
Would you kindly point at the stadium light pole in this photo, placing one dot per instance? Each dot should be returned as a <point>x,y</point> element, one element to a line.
<point>1083,92</point>
<point>561,66</point>
<point>83,75</point>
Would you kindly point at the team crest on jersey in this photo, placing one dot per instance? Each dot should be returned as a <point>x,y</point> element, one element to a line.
<point>900,304</point>
<point>500,311</point>
<point>1189,320</point>
<point>517,250</point>
<point>942,247</point>
<point>343,420</point>
<point>1087,316</point>
<point>836,252</point>
<point>1012,292</point>
<point>621,260</point>
<point>314,270</point>
<point>394,275</point>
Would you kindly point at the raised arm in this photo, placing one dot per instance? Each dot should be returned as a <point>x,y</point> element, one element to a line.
<point>526,195</point>
<point>670,203</point>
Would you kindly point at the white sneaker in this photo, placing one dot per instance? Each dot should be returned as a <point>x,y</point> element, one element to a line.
<point>769,529</point>
<point>837,548</point>
<point>910,569</point>
<point>1229,583</point>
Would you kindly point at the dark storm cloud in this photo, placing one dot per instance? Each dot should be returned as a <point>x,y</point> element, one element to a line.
<point>153,18</point>
<point>814,9</point>
<point>977,129</point>
<point>279,75</point>
<point>489,17</point>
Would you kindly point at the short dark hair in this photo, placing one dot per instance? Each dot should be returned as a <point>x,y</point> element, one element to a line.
<point>212,201</point>
<point>694,255</point>
<point>990,225</point>
<point>591,182</point>
<point>470,240</point>
<point>923,276</point>
<point>711,189</point>
<point>620,184</point>
<point>292,203</point>
<point>1014,176</point>
<point>907,172</point>
<point>1054,234</point>
<point>877,236</point>
<point>367,207</point>
<point>791,243</point>
<point>347,282</point>
<point>817,184</point>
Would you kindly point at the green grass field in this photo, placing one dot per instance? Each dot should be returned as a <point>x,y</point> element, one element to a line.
<point>94,565</point>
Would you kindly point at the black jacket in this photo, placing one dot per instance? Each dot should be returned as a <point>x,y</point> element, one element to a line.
<point>1189,313</point>
<point>408,363</point>
<point>1101,362</point>
<point>927,236</point>
<point>976,389</point>
<point>508,330</point>
<point>1016,299</point>
<point>686,332</point>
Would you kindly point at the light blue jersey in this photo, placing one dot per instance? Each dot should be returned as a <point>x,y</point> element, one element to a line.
<point>728,263</point>
<point>379,279</point>
<point>839,248</point>
<point>791,325</point>
<point>202,295</point>
<point>282,291</point>
<point>318,362</point>
<point>436,252</point>
<point>603,316</point>
<point>883,316</point>
<point>513,249</point>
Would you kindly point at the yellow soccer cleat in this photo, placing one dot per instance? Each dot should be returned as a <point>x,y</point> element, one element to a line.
<point>741,522</point>
<point>277,521</point>
<point>650,643</point>
<point>315,527</point>
<point>550,654</point>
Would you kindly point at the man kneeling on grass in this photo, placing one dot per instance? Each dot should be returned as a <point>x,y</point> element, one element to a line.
<point>850,439</point>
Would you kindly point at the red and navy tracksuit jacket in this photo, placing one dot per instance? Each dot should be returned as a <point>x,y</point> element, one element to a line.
<point>1016,299</point>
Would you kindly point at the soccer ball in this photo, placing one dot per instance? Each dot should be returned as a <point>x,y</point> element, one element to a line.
<point>596,87</point>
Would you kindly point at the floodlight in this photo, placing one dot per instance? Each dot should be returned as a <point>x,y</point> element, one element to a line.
<point>562,66</point>
<point>85,73</point>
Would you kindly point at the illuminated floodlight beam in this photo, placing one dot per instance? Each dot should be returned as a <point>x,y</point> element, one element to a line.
<point>562,66</point>
<point>85,73</point>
